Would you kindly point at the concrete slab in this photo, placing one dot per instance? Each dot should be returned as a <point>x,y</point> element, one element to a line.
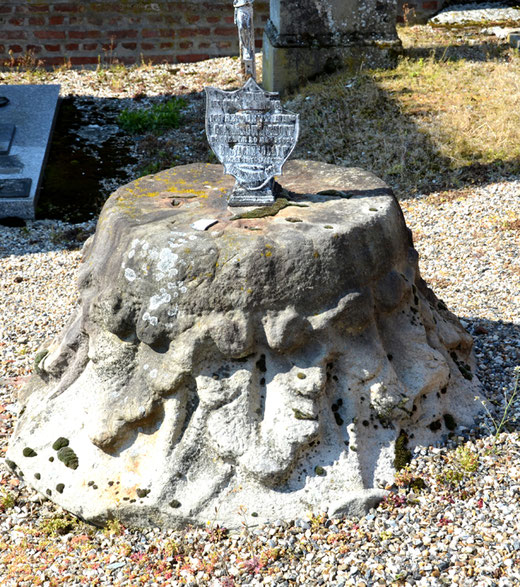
<point>32,111</point>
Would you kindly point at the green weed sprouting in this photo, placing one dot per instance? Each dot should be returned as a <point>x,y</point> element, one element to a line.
<point>500,424</point>
<point>157,119</point>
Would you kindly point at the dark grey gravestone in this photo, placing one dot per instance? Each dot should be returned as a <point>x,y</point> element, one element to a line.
<point>31,110</point>
<point>6,137</point>
<point>252,135</point>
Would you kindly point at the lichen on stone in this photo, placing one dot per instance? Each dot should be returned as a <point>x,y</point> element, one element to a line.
<point>60,487</point>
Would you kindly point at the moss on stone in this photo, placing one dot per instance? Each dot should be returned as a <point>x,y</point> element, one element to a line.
<point>403,456</point>
<point>175,503</point>
<point>301,376</point>
<point>37,476</point>
<point>320,471</point>
<point>61,442</point>
<point>265,211</point>
<point>449,422</point>
<point>11,464</point>
<point>435,426</point>
<point>337,193</point>
<point>142,492</point>
<point>301,416</point>
<point>29,452</point>
<point>68,457</point>
<point>60,487</point>
<point>40,355</point>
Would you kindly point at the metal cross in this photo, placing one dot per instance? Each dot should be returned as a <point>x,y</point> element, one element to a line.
<point>246,36</point>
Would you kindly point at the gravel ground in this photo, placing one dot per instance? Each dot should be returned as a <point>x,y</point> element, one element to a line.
<point>495,12</point>
<point>453,516</point>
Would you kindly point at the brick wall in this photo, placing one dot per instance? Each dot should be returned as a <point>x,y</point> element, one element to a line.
<point>84,33</point>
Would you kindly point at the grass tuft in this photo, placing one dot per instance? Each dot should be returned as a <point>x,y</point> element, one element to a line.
<point>157,119</point>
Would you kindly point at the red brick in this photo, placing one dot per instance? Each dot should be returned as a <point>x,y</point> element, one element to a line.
<point>89,46</point>
<point>83,34</point>
<point>147,46</point>
<point>161,59</point>
<point>49,34</point>
<point>34,48</point>
<point>229,20</point>
<point>224,44</point>
<point>84,60</point>
<point>72,46</point>
<point>15,48</point>
<point>130,46</point>
<point>5,9</point>
<point>95,21</point>
<point>186,44</point>
<point>53,60</point>
<point>122,34</point>
<point>20,21</point>
<point>37,21</point>
<point>192,57</point>
<point>56,20</point>
<point>109,46</point>
<point>72,7</point>
<point>225,32</point>
<point>204,45</point>
<point>166,45</point>
<point>52,48</point>
<point>13,35</point>
<point>213,19</point>
<point>258,43</point>
<point>153,33</point>
<point>38,8</point>
<point>431,5</point>
<point>192,18</point>
<point>184,33</point>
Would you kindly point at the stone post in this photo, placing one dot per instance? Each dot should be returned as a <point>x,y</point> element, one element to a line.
<point>308,37</point>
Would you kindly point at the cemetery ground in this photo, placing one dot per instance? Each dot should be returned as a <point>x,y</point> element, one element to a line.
<point>442,128</point>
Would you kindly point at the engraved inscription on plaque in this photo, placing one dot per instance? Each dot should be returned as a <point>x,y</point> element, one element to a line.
<point>15,188</point>
<point>252,135</point>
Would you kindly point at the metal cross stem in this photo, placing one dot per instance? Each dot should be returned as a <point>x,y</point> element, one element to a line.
<point>246,36</point>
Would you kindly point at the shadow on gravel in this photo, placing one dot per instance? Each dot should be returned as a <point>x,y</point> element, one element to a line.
<point>91,156</point>
<point>497,352</point>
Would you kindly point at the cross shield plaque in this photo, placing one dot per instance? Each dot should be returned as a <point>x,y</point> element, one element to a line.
<point>252,135</point>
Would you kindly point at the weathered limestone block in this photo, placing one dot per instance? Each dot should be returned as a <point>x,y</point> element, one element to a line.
<point>304,38</point>
<point>269,362</point>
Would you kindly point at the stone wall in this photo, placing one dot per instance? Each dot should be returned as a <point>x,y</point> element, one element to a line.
<point>130,31</point>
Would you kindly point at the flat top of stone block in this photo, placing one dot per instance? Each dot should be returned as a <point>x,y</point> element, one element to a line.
<point>248,256</point>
